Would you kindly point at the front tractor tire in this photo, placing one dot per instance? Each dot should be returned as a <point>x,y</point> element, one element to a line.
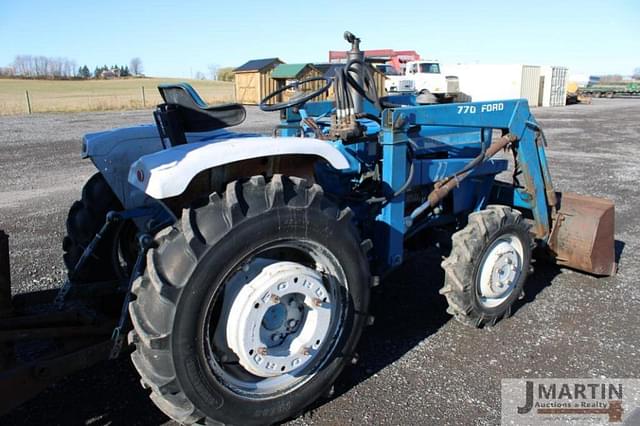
<point>251,306</point>
<point>488,266</point>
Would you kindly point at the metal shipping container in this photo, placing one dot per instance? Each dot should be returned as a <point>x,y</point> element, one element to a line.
<point>530,84</point>
<point>554,81</point>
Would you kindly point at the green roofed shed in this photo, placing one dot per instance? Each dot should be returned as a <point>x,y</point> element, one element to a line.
<point>292,71</point>
<point>285,74</point>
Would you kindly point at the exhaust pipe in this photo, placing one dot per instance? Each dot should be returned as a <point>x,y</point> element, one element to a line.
<point>355,54</point>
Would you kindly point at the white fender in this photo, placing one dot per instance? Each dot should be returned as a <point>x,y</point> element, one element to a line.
<point>167,173</point>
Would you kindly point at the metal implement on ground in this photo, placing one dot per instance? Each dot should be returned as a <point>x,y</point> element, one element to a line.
<point>611,89</point>
<point>249,289</point>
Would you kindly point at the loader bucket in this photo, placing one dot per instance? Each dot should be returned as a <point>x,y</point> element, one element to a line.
<point>582,236</point>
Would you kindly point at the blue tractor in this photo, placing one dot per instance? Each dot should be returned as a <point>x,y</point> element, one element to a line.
<point>250,258</point>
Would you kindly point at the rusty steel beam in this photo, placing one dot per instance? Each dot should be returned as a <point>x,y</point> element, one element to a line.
<point>24,381</point>
<point>55,332</point>
<point>5,275</point>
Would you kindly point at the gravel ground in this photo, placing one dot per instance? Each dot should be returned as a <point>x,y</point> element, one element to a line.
<point>417,366</point>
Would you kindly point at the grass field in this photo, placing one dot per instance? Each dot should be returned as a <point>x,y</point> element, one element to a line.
<point>97,95</point>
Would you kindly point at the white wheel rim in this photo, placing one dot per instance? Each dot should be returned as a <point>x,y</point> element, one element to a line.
<point>279,319</point>
<point>234,339</point>
<point>500,270</point>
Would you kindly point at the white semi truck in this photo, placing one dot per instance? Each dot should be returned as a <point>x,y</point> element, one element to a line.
<point>423,77</point>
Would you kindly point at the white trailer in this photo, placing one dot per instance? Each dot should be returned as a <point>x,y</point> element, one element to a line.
<point>484,82</point>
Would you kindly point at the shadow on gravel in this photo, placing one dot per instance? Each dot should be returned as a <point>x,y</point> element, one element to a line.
<point>407,309</point>
<point>619,248</point>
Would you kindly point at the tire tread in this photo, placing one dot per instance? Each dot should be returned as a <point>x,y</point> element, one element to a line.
<point>467,245</point>
<point>158,293</point>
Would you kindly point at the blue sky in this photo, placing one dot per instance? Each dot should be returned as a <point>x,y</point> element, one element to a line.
<point>178,38</point>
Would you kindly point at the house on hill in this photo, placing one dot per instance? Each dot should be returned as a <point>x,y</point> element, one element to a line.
<point>253,80</point>
<point>110,74</point>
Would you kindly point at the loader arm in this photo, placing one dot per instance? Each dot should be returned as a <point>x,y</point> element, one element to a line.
<point>577,230</point>
<point>512,116</point>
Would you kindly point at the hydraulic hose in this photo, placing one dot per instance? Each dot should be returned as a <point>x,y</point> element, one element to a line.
<point>369,91</point>
<point>445,186</point>
<point>399,191</point>
<point>441,191</point>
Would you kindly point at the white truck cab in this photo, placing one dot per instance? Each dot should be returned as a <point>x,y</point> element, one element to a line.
<point>419,77</point>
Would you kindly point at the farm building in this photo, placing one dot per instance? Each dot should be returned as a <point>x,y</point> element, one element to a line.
<point>396,58</point>
<point>253,80</point>
<point>285,74</point>
<point>110,74</point>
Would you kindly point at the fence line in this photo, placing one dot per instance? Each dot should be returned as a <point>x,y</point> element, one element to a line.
<point>87,98</point>
<point>26,92</point>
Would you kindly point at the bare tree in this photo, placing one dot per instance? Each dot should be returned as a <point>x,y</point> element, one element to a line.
<point>200,76</point>
<point>213,71</point>
<point>636,73</point>
<point>135,66</point>
<point>43,67</point>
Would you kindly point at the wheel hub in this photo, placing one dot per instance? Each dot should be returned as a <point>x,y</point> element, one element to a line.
<point>503,272</point>
<point>500,270</point>
<point>279,319</point>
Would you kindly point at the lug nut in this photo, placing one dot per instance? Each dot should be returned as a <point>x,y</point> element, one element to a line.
<point>317,301</point>
<point>305,351</point>
<point>262,351</point>
<point>292,323</point>
<point>275,299</point>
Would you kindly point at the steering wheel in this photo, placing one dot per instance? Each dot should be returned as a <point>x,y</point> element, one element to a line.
<point>295,100</point>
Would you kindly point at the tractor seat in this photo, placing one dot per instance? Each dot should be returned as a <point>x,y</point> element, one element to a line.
<point>184,111</point>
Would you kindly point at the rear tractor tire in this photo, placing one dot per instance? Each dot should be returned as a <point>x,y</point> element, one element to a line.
<point>250,306</point>
<point>115,254</point>
<point>488,266</point>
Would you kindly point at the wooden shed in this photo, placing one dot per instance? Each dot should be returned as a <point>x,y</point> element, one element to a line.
<point>285,74</point>
<point>253,80</point>
<point>328,70</point>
